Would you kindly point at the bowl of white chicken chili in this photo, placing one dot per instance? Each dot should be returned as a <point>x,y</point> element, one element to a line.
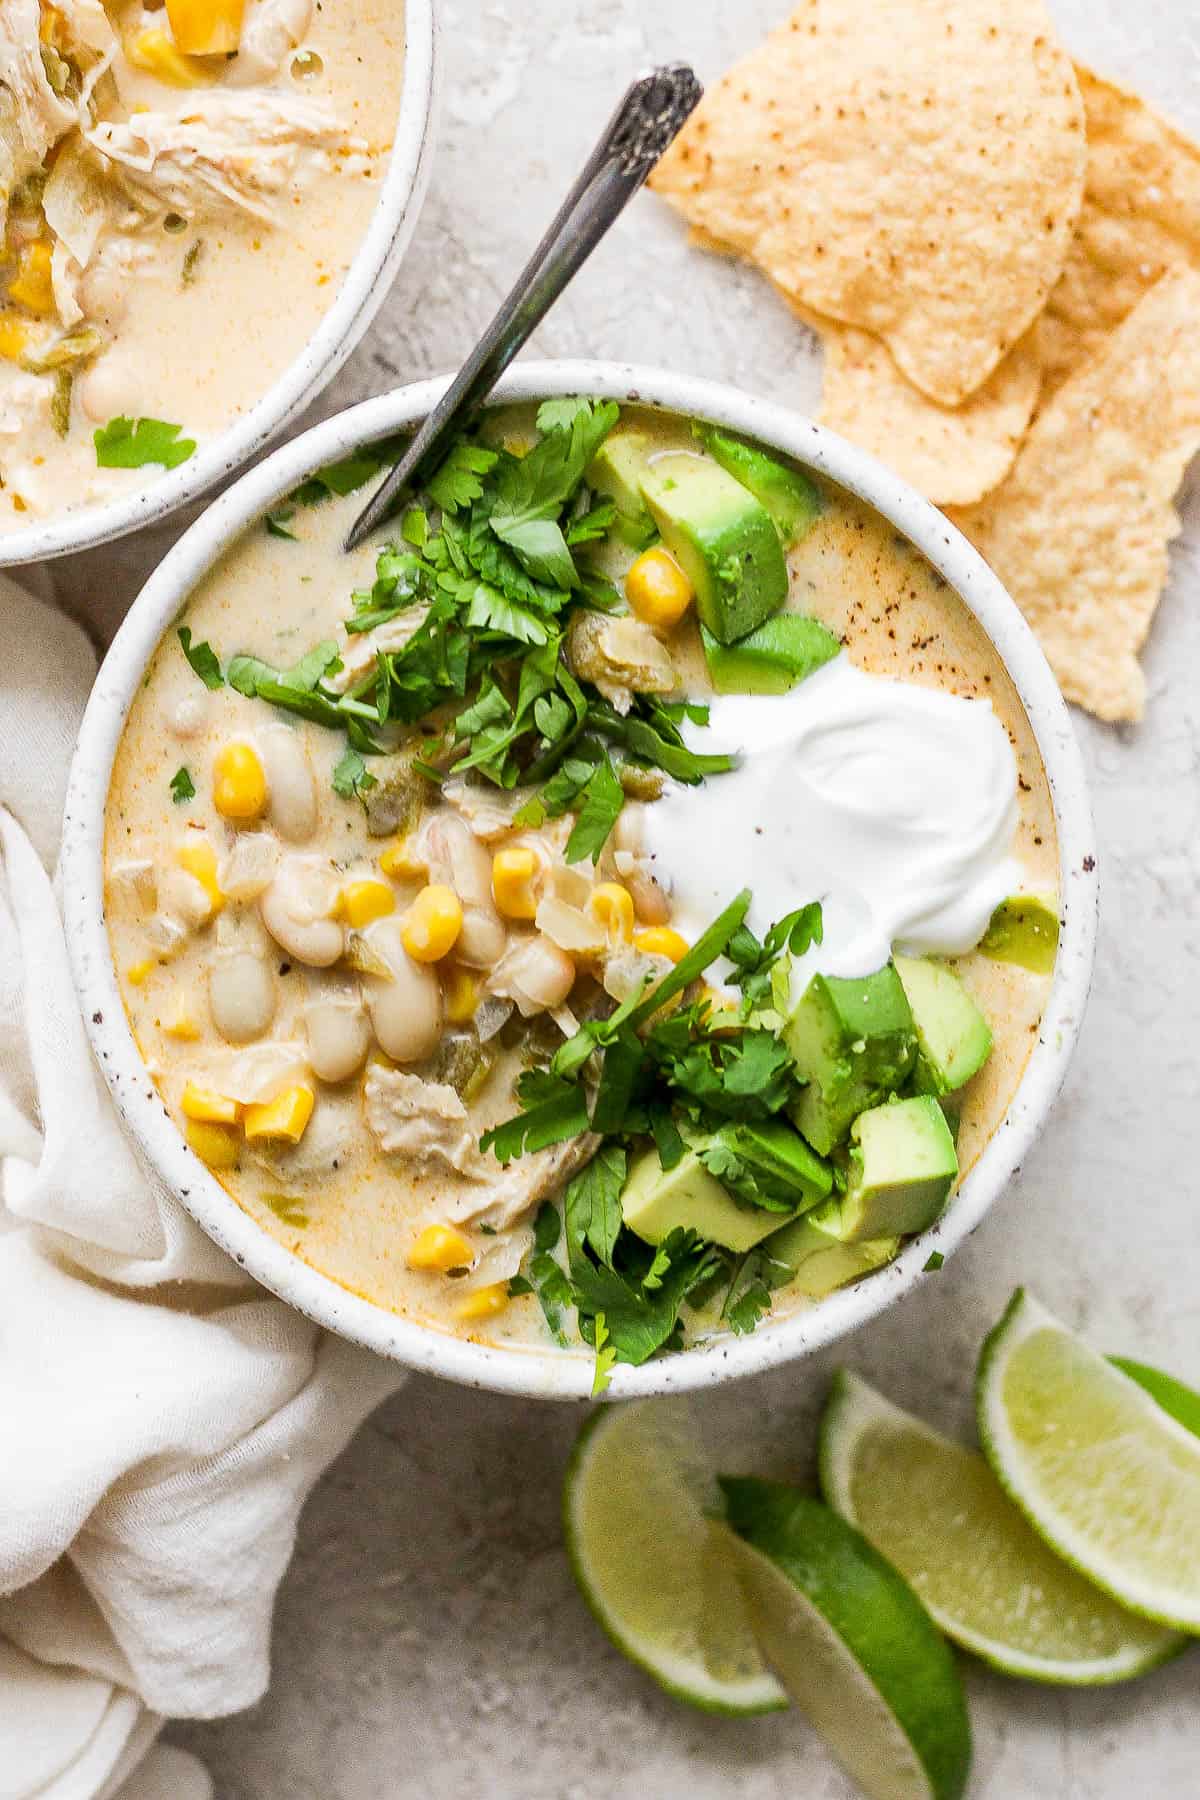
<point>203,204</point>
<point>612,932</point>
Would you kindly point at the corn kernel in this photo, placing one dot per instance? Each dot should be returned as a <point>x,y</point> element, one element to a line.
<point>137,972</point>
<point>239,783</point>
<point>611,906</point>
<point>460,994</point>
<point>15,334</point>
<point>401,864</point>
<point>217,1145</point>
<point>33,287</point>
<point>182,1023</point>
<point>484,1303</point>
<point>440,1247</point>
<point>513,871</point>
<point>662,940</point>
<point>657,589</point>
<point>363,901</point>
<point>209,1107</point>
<point>154,52</point>
<point>432,924</point>
<point>200,860</point>
<point>285,1117</point>
<point>206,27</point>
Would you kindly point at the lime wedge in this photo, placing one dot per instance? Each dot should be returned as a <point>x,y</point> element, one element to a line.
<point>652,1567</point>
<point>852,1644</point>
<point>937,1512</point>
<point>1102,1472</point>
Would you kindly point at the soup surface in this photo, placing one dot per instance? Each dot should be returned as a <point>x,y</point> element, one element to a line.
<point>182,191</point>
<point>348,950</point>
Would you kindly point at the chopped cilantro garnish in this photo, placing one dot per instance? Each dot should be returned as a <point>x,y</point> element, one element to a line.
<point>183,788</point>
<point>600,804</point>
<point>134,444</point>
<point>202,657</point>
<point>351,777</point>
<point>934,1262</point>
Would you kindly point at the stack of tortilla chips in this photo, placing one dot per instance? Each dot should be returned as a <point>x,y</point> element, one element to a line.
<point>1001,254</point>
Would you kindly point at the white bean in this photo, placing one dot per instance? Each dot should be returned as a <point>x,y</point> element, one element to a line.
<point>296,911</point>
<point>457,857</point>
<point>339,1035</point>
<point>103,292</point>
<point>291,790</point>
<point>189,715</point>
<point>109,388</point>
<point>406,1012</point>
<point>241,995</point>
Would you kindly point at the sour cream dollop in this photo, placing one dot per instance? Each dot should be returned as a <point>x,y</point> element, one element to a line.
<point>894,805</point>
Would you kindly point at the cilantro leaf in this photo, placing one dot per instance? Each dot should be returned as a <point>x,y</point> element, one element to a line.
<point>561,1115</point>
<point>539,485</point>
<point>351,778</point>
<point>135,444</point>
<point>639,1319</point>
<point>560,415</point>
<point>606,1356</point>
<point>592,1206</point>
<point>593,524</point>
<point>202,657</point>
<point>542,550</point>
<point>489,610</point>
<point>600,807</point>
<point>751,1305</point>
<point>347,475</point>
<point>457,482</point>
<point>183,788</point>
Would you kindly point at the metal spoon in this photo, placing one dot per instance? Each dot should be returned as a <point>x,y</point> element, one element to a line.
<point>646,122</point>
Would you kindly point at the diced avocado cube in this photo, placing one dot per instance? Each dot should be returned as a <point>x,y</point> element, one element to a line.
<point>777,1163</point>
<point>902,1166</point>
<point>791,498</point>
<point>820,1260</point>
<point>1024,930</point>
<point>854,1043</point>
<point>615,473</point>
<point>954,1039</point>
<point>772,658</point>
<point>722,537</point>
<point>655,1201</point>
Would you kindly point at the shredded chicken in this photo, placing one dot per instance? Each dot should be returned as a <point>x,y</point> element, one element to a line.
<point>360,651</point>
<point>427,1124</point>
<point>621,656</point>
<point>423,1121</point>
<point>488,810</point>
<point>525,1183</point>
<point>228,149</point>
<point>32,116</point>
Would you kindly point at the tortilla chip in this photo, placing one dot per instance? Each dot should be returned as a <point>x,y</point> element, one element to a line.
<point>914,167</point>
<point>1140,217</point>
<point>952,455</point>
<point>1079,531</point>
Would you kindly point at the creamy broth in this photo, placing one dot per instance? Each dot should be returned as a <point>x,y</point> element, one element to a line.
<point>342,1199</point>
<point>200,216</point>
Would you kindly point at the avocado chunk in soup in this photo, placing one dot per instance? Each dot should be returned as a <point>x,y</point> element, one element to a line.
<point>182,190</point>
<point>517,978</point>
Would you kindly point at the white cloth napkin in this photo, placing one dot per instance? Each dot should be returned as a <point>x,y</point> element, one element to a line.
<point>161,1418</point>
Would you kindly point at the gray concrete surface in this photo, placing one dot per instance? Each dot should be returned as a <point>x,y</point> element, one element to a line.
<point>429,1641</point>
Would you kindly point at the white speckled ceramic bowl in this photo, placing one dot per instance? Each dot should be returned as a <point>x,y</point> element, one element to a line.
<point>363,292</point>
<point>550,1373</point>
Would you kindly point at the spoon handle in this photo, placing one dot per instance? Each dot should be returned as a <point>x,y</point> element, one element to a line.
<point>644,124</point>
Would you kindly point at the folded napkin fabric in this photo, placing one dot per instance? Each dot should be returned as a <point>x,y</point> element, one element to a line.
<point>161,1418</point>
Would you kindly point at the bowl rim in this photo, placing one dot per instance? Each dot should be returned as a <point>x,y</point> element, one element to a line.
<point>371,273</point>
<point>554,1373</point>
